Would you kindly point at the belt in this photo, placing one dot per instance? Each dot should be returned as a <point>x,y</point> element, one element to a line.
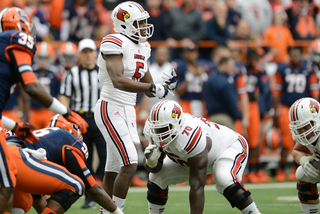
<point>86,114</point>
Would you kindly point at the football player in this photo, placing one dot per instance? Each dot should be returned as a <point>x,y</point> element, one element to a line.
<point>17,47</point>
<point>36,175</point>
<point>184,147</point>
<point>124,72</point>
<point>291,82</point>
<point>304,116</point>
<point>63,146</point>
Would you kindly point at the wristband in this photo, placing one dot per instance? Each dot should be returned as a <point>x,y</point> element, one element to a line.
<point>8,123</point>
<point>117,211</point>
<point>152,88</point>
<point>57,107</point>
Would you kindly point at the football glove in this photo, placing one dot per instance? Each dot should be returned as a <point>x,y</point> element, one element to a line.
<point>77,119</point>
<point>152,155</point>
<point>170,79</point>
<point>159,90</point>
<point>308,168</point>
<point>24,132</point>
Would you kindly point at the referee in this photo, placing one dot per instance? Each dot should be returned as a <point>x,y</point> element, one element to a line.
<point>80,88</point>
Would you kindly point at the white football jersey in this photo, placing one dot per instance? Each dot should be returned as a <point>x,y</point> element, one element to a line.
<point>192,139</point>
<point>134,59</point>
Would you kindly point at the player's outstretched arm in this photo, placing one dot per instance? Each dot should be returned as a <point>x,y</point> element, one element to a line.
<point>39,94</point>
<point>99,195</point>
<point>197,180</point>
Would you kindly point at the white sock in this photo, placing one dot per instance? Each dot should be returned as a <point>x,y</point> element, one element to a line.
<point>156,209</point>
<point>251,209</point>
<point>104,211</point>
<point>309,208</point>
<point>119,201</point>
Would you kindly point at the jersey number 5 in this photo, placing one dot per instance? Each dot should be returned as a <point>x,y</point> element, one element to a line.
<point>26,39</point>
<point>137,74</point>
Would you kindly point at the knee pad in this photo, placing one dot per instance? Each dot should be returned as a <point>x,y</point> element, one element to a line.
<point>65,198</point>
<point>235,200</point>
<point>156,195</point>
<point>306,188</point>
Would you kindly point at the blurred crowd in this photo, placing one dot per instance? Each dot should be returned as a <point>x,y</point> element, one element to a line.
<point>240,87</point>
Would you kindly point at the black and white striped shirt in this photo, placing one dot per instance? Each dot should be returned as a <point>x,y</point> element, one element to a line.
<point>83,87</point>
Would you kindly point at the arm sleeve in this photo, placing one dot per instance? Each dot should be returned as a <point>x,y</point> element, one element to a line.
<point>111,45</point>
<point>21,61</point>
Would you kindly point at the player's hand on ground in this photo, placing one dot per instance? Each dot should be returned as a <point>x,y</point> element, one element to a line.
<point>152,155</point>
<point>308,168</point>
<point>170,79</point>
<point>159,90</point>
<point>77,119</point>
<point>24,132</point>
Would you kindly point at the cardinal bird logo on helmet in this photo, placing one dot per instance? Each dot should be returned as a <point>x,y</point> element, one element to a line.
<point>122,15</point>
<point>314,107</point>
<point>176,112</point>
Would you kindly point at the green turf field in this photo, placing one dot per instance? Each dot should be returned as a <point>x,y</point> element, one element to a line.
<point>271,198</point>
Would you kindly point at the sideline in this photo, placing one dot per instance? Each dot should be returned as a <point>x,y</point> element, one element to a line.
<point>278,185</point>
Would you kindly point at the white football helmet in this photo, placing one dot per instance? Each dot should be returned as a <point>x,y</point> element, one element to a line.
<point>125,15</point>
<point>165,121</point>
<point>304,119</point>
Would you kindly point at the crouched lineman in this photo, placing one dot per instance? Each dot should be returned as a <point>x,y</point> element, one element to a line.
<point>184,147</point>
<point>36,175</point>
<point>61,141</point>
<point>304,119</point>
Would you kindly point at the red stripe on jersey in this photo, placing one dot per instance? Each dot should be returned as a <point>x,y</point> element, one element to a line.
<point>114,135</point>
<point>239,159</point>
<point>113,39</point>
<point>194,139</point>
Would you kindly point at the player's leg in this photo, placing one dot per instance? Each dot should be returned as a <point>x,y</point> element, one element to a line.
<point>228,170</point>
<point>22,202</point>
<point>8,172</point>
<point>170,173</point>
<point>122,157</point>
<point>253,132</point>
<point>45,177</point>
<point>101,150</point>
<point>287,142</point>
<point>308,196</point>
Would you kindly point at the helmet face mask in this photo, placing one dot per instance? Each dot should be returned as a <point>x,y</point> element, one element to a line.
<point>165,121</point>
<point>304,119</point>
<point>130,19</point>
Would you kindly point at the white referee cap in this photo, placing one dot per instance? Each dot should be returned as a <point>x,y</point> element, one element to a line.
<point>87,43</point>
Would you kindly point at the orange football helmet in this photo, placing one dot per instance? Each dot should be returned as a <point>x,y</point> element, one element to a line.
<point>272,138</point>
<point>59,121</point>
<point>68,54</point>
<point>13,18</point>
<point>44,56</point>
